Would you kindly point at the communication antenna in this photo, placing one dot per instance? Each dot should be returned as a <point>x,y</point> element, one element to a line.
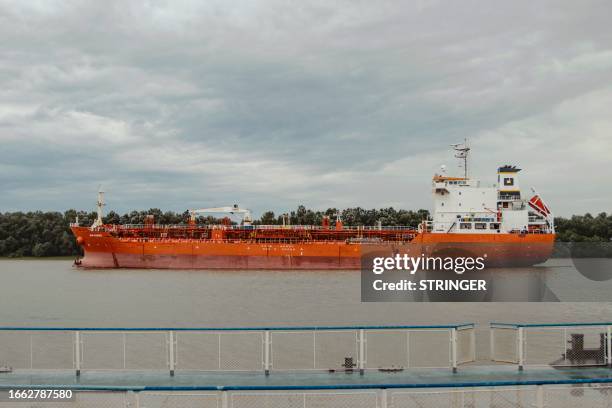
<point>461,152</point>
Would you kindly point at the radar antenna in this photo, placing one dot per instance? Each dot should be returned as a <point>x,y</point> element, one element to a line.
<point>461,152</point>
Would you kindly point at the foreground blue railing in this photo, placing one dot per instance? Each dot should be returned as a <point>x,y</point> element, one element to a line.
<point>560,393</point>
<point>269,348</point>
<point>216,329</point>
<point>552,344</point>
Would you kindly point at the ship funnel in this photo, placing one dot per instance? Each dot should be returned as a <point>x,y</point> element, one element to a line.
<point>508,182</point>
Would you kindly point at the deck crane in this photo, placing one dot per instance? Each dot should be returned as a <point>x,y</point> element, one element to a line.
<point>246,213</point>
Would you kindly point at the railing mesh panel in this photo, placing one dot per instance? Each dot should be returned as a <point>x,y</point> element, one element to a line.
<point>241,351</point>
<point>102,351</point>
<point>500,398</point>
<point>267,400</point>
<point>146,351</point>
<point>53,350</point>
<point>332,348</point>
<point>504,347</point>
<point>592,396</point>
<point>293,350</point>
<point>178,400</point>
<point>465,398</point>
<point>429,348</point>
<point>198,350</point>
<point>39,350</point>
<point>585,346</point>
<point>401,399</point>
<point>544,346</point>
<point>15,349</point>
<point>565,346</point>
<point>339,400</point>
<point>465,346</point>
<point>387,348</point>
<point>82,399</point>
<point>231,351</point>
<point>335,399</point>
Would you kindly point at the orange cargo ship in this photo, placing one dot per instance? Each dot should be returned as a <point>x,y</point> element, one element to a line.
<point>467,220</point>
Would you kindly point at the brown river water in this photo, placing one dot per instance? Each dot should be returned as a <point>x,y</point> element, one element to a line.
<point>54,293</point>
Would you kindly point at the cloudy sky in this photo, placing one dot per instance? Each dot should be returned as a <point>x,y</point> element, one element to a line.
<point>272,104</point>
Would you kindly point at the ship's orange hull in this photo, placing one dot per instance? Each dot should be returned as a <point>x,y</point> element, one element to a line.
<point>105,251</point>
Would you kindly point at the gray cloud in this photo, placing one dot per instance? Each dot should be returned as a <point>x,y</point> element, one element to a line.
<point>271,105</point>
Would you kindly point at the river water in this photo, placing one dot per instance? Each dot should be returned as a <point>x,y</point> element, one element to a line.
<point>54,293</point>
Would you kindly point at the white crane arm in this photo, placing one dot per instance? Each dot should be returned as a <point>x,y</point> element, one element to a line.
<point>227,210</point>
<point>230,210</point>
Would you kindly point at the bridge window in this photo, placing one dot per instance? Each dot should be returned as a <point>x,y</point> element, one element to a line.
<point>508,181</point>
<point>494,226</point>
<point>480,226</point>
<point>465,225</point>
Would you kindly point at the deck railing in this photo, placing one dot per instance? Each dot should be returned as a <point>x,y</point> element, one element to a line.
<point>536,394</point>
<point>552,344</point>
<point>264,241</point>
<point>268,349</point>
<point>262,227</point>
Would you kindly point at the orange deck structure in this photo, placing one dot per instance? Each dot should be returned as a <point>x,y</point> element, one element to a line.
<point>296,247</point>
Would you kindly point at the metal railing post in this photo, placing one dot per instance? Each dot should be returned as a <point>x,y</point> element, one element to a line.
<point>171,360</point>
<point>609,343</point>
<point>453,339</point>
<point>521,351</point>
<point>77,352</point>
<point>492,343</point>
<point>267,345</point>
<point>361,356</point>
<point>383,398</point>
<point>136,398</point>
<point>539,402</point>
<point>473,344</point>
<point>224,399</point>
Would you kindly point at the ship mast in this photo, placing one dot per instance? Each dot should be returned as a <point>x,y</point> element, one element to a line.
<point>461,152</point>
<point>99,209</point>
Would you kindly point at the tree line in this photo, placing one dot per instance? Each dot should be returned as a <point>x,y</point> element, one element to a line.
<point>40,234</point>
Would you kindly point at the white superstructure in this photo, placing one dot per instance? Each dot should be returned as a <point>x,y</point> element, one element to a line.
<point>463,205</point>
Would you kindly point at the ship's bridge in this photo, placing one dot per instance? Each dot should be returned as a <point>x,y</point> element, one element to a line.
<point>441,183</point>
<point>460,201</point>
